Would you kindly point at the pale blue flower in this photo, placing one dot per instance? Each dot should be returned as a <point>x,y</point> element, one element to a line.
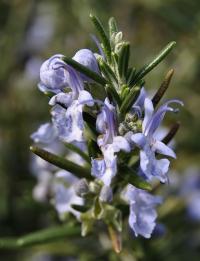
<point>69,122</point>
<point>149,144</point>
<point>190,191</point>
<point>54,74</point>
<point>45,134</point>
<point>68,107</point>
<point>142,215</point>
<point>43,187</point>
<point>86,58</point>
<point>106,168</point>
<point>64,193</point>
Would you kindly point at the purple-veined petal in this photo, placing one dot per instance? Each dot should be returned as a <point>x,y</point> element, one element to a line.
<point>86,98</point>
<point>153,168</point>
<point>69,123</point>
<point>158,116</point>
<point>53,73</point>
<point>46,134</point>
<point>75,81</point>
<point>161,148</point>
<point>120,143</point>
<point>139,139</point>
<point>142,213</point>
<point>44,88</point>
<point>148,112</point>
<point>141,98</point>
<point>64,99</point>
<point>98,167</point>
<point>101,122</point>
<point>64,193</point>
<point>161,168</point>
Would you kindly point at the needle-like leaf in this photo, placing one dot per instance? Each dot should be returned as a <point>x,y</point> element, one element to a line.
<point>41,237</point>
<point>104,38</point>
<point>62,163</point>
<point>146,69</point>
<point>83,69</point>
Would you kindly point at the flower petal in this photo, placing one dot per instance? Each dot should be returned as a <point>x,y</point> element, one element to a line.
<point>159,115</point>
<point>87,58</point>
<point>148,112</point>
<point>62,98</point>
<point>120,143</point>
<point>46,134</point>
<point>142,213</point>
<point>161,148</point>
<point>69,123</point>
<point>98,167</point>
<point>85,98</point>
<point>139,139</point>
<point>53,73</point>
<point>64,193</point>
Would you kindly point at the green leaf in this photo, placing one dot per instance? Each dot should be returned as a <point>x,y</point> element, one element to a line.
<point>95,90</point>
<point>91,123</point>
<point>97,210</point>
<point>124,92</point>
<point>130,76</point>
<point>77,150</point>
<point>112,26</point>
<point>124,56</point>
<point>108,73</point>
<point>155,61</point>
<point>93,149</point>
<point>83,69</point>
<point>113,93</point>
<point>104,38</point>
<point>40,237</point>
<point>79,208</point>
<point>129,100</point>
<point>130,176</point>
<point>62,163</point>
<point>87,223</point>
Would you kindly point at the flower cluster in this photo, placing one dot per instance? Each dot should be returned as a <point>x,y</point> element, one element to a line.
<point>102,114</point>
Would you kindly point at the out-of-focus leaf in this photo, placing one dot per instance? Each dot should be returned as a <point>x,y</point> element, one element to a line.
<point>41,237</point>
<point>62,163</point>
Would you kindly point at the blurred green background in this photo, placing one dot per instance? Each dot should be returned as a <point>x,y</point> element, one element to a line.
<point>31,31</point>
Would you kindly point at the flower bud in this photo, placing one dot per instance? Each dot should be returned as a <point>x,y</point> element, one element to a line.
<point>53,74</point>
<point>88,59</point>
<point>81,188</point>
<point>95,187</point>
